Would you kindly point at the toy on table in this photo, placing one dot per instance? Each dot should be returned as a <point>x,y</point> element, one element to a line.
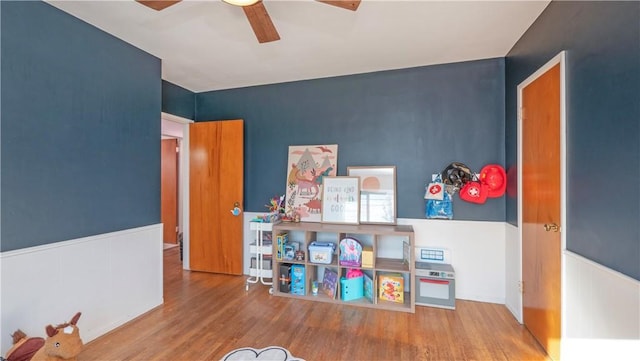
<point>276,204</point>
<point>276,211</point>
<point>63,343</point>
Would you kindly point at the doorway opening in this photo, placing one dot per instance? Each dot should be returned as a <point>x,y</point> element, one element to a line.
<point>175,127</point>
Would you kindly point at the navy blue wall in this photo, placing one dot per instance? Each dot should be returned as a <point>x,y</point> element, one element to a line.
<point>602,40</point>
<point>178,101</point>
<point>419,119</point>
<point>80,129</point>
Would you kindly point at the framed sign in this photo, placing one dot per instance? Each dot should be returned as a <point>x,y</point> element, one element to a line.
<point>340,200</point>
<point>377,193</point>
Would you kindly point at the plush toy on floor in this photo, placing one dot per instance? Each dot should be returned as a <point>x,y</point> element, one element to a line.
<point>63,343</point>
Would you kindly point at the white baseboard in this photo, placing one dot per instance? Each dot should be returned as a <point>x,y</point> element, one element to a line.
<point>111,278</point>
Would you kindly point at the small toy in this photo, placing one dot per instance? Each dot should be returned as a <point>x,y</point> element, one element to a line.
<point>350,252</point>
<point>354,273</point>
<point>290,249</point>
<point>23,347</point>
<point>63,343</point>
<point>276,204</point>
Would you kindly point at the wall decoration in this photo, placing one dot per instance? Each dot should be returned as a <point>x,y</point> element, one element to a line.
<point>307,166</point>
<point>377,193</point>
<point>340,200</point>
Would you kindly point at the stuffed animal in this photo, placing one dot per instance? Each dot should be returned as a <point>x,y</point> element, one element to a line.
<point>63,343</point>
<point>23,347</point>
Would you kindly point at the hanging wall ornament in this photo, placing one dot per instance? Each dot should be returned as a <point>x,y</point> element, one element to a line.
<point>495,178</point>
<point>474,192</point>
<point>456,174</point>
<point>435,190</point>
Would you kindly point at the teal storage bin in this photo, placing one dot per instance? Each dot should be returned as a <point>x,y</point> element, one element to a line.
<point>351,288</point>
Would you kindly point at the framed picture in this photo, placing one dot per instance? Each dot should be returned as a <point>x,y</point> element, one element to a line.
<point>307,167</point>
<point>340,200</point>
<point>377,193</point>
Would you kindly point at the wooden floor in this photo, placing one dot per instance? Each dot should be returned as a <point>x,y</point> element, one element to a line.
<point>204,316</point>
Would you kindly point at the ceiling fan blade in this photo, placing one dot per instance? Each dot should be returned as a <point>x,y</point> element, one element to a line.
<point>345,4</point>
<point>159,4</point>
<point>261,22</point>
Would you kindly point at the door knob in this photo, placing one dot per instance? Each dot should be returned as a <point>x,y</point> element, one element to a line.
<point>236,209</point>
<point>551,227</point>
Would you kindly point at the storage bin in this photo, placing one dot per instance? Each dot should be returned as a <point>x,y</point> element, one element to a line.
<point>321,252</point>
<point>266,263</point>
<point>351,288</point>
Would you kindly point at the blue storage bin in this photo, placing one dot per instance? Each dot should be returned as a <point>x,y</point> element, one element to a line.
<point>321,252</point>
<point>351,288</point>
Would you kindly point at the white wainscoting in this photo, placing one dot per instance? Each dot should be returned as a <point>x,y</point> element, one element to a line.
<point>513,275</point>
<point>477,251</point>
<point>111,278</point>
<point>601,312</point>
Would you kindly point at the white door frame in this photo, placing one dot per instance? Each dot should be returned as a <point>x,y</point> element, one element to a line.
<point>183,189</point>
<point>561,59</point>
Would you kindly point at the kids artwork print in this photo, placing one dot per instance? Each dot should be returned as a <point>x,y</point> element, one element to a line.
<point>306,167</point>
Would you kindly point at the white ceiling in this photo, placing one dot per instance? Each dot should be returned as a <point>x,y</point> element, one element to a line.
<point>209,45</point>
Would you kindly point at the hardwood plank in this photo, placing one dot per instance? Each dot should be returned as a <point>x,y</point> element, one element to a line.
<point>206,315</point>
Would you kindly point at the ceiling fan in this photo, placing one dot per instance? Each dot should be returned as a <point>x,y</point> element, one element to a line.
<point>256,14</point>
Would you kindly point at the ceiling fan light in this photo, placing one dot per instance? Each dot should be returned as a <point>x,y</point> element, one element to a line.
<point>241,2</point>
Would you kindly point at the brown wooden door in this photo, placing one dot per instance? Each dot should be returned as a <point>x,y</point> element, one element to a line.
<point>169,190</point>
<point>541,248</point>
<point>215,188</point>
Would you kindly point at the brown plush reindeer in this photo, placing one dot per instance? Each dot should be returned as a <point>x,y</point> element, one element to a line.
<point>63,343</point>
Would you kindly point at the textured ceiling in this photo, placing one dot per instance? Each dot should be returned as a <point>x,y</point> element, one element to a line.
<point>209,45</point>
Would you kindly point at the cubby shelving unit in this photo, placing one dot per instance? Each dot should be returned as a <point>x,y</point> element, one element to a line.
<point>392,246</point>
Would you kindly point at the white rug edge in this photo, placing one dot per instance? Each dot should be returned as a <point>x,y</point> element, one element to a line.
<point>263,354</point>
